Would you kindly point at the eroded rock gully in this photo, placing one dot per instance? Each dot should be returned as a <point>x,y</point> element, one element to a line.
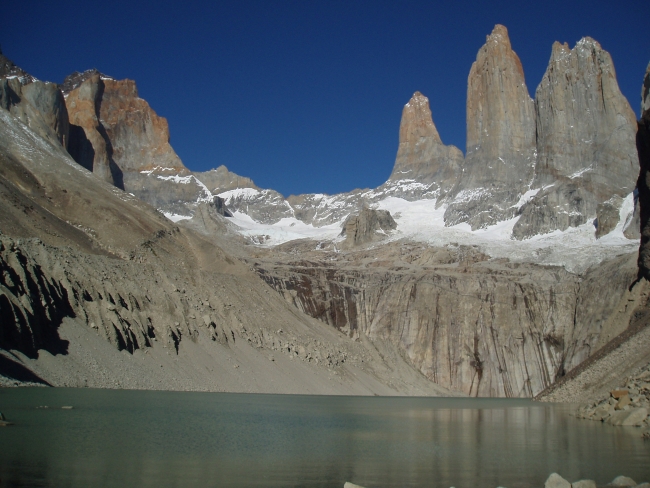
<point>484,327</point>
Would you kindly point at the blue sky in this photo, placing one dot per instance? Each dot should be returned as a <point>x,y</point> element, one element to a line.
<point>306,96</point>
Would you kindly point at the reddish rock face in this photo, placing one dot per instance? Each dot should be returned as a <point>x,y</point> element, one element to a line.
<point>88,143</point>
<point>500,159</point>
<point>500,117</point>
<point>421,154</point>
<point>114,131</point>
<point>140,138</point>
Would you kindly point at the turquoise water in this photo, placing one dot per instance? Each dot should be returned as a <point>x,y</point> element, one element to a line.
<point>120,438</point>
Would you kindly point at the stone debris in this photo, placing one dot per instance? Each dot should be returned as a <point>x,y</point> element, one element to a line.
<point>628,405</point>
<point>556,481</point>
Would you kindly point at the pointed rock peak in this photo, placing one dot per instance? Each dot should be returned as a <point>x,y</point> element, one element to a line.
<point>559,50</point>
<point>499,36</point>
<point>588,43</point>
<point>9,70</point>
<point>75,79</point>
<point>417,121</point>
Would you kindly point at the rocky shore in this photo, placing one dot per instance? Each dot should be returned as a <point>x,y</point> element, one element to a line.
<point>556,481</point>
<point>626,405</point>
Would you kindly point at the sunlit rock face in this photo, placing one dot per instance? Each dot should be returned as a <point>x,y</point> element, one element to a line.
<point>114,131</point>
<point>585,140</point>
<point>89,144</point>
<point>468,323</point>
<point>421,155</point>
<point>500,158</point>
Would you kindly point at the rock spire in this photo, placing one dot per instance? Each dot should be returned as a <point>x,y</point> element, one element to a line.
<point>585,140</point>
<point>421,154</point>
<point>500,157</point>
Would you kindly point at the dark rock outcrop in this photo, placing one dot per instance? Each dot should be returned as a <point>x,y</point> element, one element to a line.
<point>643,183</point>
<point>421,155</point>
<point>39,105</point>
<point>585,134</point>
<point>500,159</point>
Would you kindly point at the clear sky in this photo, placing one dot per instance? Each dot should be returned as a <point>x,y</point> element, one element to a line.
<point>306,96</point>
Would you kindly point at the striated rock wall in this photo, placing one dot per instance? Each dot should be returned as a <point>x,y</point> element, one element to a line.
<point>585,140</point>
<point>421,155</point>
<point>486,329</point>
<point>500,157</point>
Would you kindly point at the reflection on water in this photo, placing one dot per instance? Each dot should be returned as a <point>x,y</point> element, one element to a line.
<point>144,438</point>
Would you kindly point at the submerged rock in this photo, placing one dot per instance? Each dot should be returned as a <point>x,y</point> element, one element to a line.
<point>556,481</point>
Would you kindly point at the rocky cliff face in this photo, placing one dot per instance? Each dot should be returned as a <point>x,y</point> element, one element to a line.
<point>643,183</point>
<point>500,159</point>
<point>484,328</point>
<point>89,145</point>
<point>585,134</point>
<point>421,155</point>
<point>38,105</point>
<point>117,135</point>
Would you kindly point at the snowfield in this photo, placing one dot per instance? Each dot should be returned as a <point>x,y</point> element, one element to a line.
<point>576,248</point>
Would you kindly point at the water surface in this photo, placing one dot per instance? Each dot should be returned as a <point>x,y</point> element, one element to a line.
<point>121,438</point>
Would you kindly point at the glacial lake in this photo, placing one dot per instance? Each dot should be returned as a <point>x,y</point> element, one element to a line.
<point>122,438</point>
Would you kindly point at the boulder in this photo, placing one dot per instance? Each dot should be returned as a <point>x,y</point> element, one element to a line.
<point>607,216</point>
<point>623,481</point>
<point>623,402</point>
<point>366,226</point>
<point>584,484</point>
<point>556,481</point>
<point>633,416</point>
<point>618,393</point>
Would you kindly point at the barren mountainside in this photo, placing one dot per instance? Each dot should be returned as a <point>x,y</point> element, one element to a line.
<point>497,273</point>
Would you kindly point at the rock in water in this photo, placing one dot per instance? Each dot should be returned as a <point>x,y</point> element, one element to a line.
<point>633,416</point>
<point>584,484</point>
<point>623,481</point>
<point>585,134</point>
<point>643,183</point>
<point>556,481</point>
<point>421,155</point>
<point>500,159</point>
<point>362,228</point>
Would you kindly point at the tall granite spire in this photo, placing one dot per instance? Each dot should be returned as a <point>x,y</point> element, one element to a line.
<point>500,159</point>
<point>585,140</point>
<point>421,154</point>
